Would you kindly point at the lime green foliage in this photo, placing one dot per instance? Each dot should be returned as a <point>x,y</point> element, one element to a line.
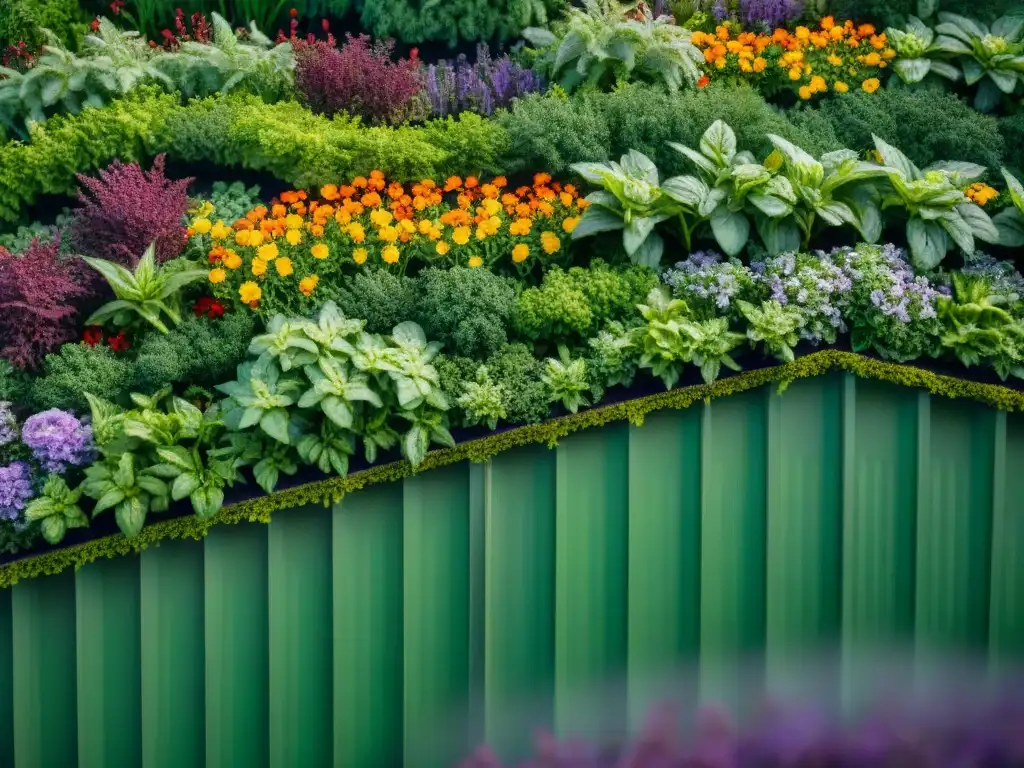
<point>380,298</point>
<point>928,124</point>
<point>775,326</point>
<point>571,306</point>
<point>410,21</point>
<point>76,369</point>
<point>56,509</point>
<point>611,359</point>
<point>513,368</point>
<point>609,42</point>
<point>332,490</point>
<point>567,380</point>
<point>283,139</point>
<point>482,400</point>
<point>26,20</point>
<point>199,351</point>
<point>552,132</point>
<point>979,327</point>
<point>150,293</point>
<point>466,309</point>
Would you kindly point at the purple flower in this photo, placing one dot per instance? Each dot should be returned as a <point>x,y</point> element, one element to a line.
<point>57,439</point>
<point>15,489</point>
<point>8,424</point>
<point>720,11</point>
<point>483,87</point>
<point>769,13</point>
<point>705,280</point>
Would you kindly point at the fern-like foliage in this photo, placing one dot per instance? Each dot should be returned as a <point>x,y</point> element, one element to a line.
<point>419,21</point>
<point>609,42</point>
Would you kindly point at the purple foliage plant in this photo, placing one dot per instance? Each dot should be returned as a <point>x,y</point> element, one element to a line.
<point>58,440</point>
<point>769,13</point>
<point>484,86</point>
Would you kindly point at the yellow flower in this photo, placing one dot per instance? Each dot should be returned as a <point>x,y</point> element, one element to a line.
<point>840,86</point>
<point>388,234</point>
<point>980,193</point>
<point>255,238</point>
<point>475,261</point>
<point>268,252</point>
<point>293,221</point>
<point>283,267</point>
<point>794,73</point>
<point>871,85</point>
<point>491,206</point>
<point>293,236</point>
<point>405,225</point>
<point>320,251</point>
<point>424,227</point>
<point>520,227</point>
<point>760,63</point>
<point>218,275</point>
<point>520,253</point>
<point>356,232</point>
<point>242,237</point>
<point>834,60</point>
<point>550,243</point>
<point>231,260</point>
<point>307,284</point>
<point>872,59</point>
<point>818,84</point>
<point>220,231</point>
<point>259,267</point>
<point>805,92</point>
<point>390,255</point>
<point>570,224</point>
<point>249,292</point>
<point>201,226</point>
<point>460,235</point>
<point>359,255</point>
<point>381,218</point>
<point>442,248</point>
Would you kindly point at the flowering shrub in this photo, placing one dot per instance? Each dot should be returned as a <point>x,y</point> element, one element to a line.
<point>358,79</point>
<point>836,57</point>
<point>126,208</point>
<point>289,256</point>
<point>39,295</point>
<point>483,87</point>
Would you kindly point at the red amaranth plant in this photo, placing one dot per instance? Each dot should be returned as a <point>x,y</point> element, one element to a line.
<point>125,209</point>
<point>359,78</point>
<point>39,302</point>
<point>201,31</point>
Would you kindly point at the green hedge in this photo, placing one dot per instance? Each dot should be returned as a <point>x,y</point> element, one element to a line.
<point>283,139</point>
<point>331,490</point>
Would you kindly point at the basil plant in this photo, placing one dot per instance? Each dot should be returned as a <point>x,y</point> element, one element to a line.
<point>730,189</point>
<point>938,213</point>
<point>632,201</point>
<point>992,57</point>
<point>920,53</point>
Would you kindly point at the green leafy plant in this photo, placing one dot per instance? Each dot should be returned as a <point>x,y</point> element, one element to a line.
<point>919,53</point>
<point>567,380</point>
<point>329,449</point>
<point>150,293</point>
<point>831,190</point>
<point>483,400</point>
<point>775,326</point>
<point>261,395</point>
<point>56,509</point>
<point>729,190</point>
<point>1010,221</point>
<point>611,360</point>
<point>992,57</point>
<point>609,42</point>
<point>938,213</point>
<point>130,491</point>
<point>632,201</point>
<point>979,329</point>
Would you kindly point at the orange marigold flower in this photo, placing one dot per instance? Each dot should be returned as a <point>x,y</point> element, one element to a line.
<point>540,179</point>
<point>218,275</point>
<point>871,84</point>
<point>452,183</point>
<point>359,182</point>
<point>570,224</point>
<point>329,192</point>
<point>520,253</point>
<point>520,227</point>
<point>258,267</point>
<point>370,200</point>
<point>231,260</point>
<point>395,190</point>
<point>320,251</point>
<point>550,243</point>
<point>308,284</point>
<point>489,191</point>
<point>278,211</point>
<point>471,182</point>
<point>316,230</point>
<point>499,182</point>
<point>442,248</point>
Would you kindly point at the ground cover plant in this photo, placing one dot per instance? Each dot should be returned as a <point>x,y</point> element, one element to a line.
<point>640,197</point>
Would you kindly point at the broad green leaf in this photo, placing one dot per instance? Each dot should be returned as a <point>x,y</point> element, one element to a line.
<point>1010,225</point>
<point>912,70</point>
<point>893,158</point>
<point>978,222</point>
<point>650,252</point>
<point>54,528</point>
<point>637,231</point>
<point>928,243</point>
<point>731,230</point>
<point>719,143</point>
<point>597,219</point>
<point>184,485</point>
<point>275,423</point>
<point>688,190</point>
<point>130,515</point>
<point>207,501</point>
<point>338,411</point>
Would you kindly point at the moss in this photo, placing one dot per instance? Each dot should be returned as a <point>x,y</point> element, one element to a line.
<point>331,490</point>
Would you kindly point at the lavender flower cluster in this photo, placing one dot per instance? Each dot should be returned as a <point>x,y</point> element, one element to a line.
<point>8,425</point>
<point>1000,277</point>
<point>15,489</point>
<point>769,13</point>
<point>815,284</point>
<point>58,439</point>
<point>988,735</point>
<point>708,282</point>
<point>483,87</point>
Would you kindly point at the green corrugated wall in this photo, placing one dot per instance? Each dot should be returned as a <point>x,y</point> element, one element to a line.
<point>476,601</point>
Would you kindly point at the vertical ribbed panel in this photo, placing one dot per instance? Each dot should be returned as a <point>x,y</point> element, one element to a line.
<point>436,616</point>
<point>954,525</point>
<point>664,555</point>
<point>732,579</point>
<point>6,680</point>
<point>520,597</point>
<point>301,680</point>
<point>568,587</point>
<point>804,526</point>
<point>45,672</point>
<point>1006,616</point>
<point>591,530</point>
<point>109,689</point>
<point>237,638</point>
<point>173,701</point>
<point>368,670</point>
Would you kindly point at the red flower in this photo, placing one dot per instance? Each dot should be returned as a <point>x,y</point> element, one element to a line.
<point>326,25</point>
<point>703,81</point>
<point>116,7</point>
<point>92,336</point>
<point>211,308</point>
<point>293,12</point>
<point>119,343</point>
<point>95,24</point>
